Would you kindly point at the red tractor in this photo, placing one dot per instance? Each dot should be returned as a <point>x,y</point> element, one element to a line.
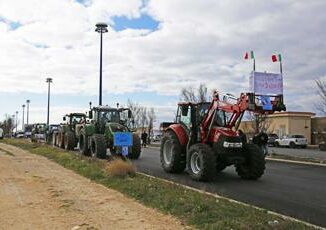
<point>205,137</point>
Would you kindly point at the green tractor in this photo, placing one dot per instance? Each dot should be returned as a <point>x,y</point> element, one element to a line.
<point>97,136</point>
<point>67,134</point>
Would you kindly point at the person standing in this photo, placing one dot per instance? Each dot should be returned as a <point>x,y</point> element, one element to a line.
<point>144,139</point>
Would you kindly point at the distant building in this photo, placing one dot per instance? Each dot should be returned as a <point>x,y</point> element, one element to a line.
<point>284,123</point>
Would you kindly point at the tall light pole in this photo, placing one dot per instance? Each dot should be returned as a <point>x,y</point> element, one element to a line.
<point>27,112</point>
<point>16,121</point>
<point>23,117</point>
<point>101,28</point>
<point>49,81</point>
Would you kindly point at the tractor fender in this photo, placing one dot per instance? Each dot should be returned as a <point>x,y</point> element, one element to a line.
<point>180,132</point>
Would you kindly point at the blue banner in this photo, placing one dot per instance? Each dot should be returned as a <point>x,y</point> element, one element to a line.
<point>122,139</point>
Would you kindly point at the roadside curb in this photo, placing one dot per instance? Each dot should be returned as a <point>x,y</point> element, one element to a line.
<point>295,162</point>
<point>234,201</point>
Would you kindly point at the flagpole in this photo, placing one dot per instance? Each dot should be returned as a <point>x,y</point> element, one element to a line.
<point>281,69</point>
<point>254,65</point>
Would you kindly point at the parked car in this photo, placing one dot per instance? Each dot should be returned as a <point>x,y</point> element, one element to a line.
<point>292,141</point>
<point>271,139</point>
<point>20,134</point>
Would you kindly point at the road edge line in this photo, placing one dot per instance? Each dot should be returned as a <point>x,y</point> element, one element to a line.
<point>295,162</point>
<point>234,201</point>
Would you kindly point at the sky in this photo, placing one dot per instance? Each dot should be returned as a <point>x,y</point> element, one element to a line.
<point>152,50</point>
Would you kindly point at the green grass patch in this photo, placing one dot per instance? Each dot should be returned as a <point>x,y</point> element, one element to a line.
<point>293,158</point>
<point>191,207</point>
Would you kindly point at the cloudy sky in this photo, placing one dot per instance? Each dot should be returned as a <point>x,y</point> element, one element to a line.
<point>153,49</point>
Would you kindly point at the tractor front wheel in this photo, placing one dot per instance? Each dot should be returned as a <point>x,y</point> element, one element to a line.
<point>201,162</point>
<point>69,141</point>
<point>83,144</point>
<point>172,154</point>
<point>136,147</point>
<point>98,146</point>
<point>254,165</point>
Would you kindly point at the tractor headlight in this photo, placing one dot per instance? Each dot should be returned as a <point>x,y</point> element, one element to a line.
<point>232,144</point>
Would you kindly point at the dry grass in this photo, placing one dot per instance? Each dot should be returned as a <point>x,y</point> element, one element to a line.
<point>120,168</point>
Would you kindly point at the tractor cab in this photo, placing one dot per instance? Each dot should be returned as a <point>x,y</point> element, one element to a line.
<point>73,119</point>
<point>191,115</point>
<point>116,119</point>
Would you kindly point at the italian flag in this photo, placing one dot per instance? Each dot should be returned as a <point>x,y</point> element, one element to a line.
<point>276,58</point>
<point>249,55</point>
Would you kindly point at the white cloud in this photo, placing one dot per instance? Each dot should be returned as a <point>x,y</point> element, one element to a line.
<point>197,41</point>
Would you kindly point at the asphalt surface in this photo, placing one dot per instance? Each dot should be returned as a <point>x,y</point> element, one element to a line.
<point>304,153</point>
<point>290,189</point>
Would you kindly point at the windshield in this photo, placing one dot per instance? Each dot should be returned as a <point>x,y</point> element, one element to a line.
<point>220,118</point>
<point>109,116</point>
<point>77,119</point>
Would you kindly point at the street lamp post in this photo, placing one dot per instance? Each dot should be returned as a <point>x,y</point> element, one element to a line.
<point>23,117</point>
<point>16,121</point>
<point>27,112</point>
<point>49,81</point>
<point>101,28</point>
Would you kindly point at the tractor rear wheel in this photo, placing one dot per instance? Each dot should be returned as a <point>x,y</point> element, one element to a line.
<point>54,136</point>
<point>172,153</point>
<point>136,147</point>
<point>61,140</point>
<point>70,141</point>
<point>98,146</point>
<point>201,162</point>
<point>83,144</point>
<point>254,165</point>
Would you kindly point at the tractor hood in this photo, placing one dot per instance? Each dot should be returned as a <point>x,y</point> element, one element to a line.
<point>116,127</point>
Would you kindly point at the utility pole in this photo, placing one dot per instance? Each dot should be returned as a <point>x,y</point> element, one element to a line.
<point>49,81</point>
<point>101,28</point>
<point>23,117</point>
<point>27,112</point>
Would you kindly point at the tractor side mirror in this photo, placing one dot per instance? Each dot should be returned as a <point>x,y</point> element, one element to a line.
<point>64,118</point>
<point>90,114</point>
<point>129,114</point>
<point>184,111</point>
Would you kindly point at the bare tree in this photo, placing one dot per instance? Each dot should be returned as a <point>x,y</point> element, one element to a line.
<point>321,87</point>
<point>151,117</point>
<point>135,109</point>
<point>260,122</point>
<point>189,94</point>
<point>143,118</point>
<point>7,125</point>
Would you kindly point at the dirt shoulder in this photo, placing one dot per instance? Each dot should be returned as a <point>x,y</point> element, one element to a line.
<point>36,193</point>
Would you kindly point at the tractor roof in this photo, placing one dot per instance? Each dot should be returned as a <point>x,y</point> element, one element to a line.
<point>76,114</point>
<point>108,108</point>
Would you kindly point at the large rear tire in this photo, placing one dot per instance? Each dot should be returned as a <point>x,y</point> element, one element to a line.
<point>54,139</point>
<point>83,145</point>
<point>70,141</point>
<point>61,140</point>
<point>254,165</point>
<point>98,146</point>
<point>172,153</point>
<point>136,147</point>
<point>201,162</point>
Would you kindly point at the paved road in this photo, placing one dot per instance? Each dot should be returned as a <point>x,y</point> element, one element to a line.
<point>305,153</point>
<point>295,190</point>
